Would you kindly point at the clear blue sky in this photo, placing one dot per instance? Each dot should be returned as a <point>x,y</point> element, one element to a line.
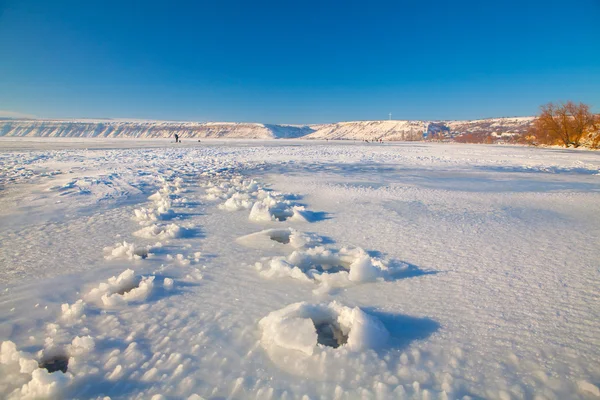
<point>296,61</point>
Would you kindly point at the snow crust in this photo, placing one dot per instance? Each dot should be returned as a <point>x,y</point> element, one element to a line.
<point>429,271</point>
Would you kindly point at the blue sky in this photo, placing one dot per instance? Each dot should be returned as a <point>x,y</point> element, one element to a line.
<point>296,62</point>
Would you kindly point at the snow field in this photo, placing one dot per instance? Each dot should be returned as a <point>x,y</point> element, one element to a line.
<point>474,310</point>
<point>26,379</point>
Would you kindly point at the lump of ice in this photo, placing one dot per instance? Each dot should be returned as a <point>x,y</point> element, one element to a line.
<point>73,312</point>
<point>44,385</point>
<point>127,251</point>
<point>273,209</point>
<point>159,231</point>
<point>81,345</point>
<point>237,202</point>
<point>149,215</point>
<point>168,283</point>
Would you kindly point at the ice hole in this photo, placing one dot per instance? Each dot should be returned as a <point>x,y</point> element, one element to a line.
<point>282,215</point>
<point>141,253</point>
<point>57,362</point>
<point>282,237</point>
<point>329,334</point>
<point>331,268</point>
<point>127,289</point>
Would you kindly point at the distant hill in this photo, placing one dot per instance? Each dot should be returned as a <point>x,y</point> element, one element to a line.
<point>354,130</point>
<point>148,129</point>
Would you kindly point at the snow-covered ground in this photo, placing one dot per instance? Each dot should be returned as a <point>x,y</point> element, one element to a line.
<point>298,270</point>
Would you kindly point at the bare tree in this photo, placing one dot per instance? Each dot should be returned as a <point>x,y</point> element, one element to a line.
<point>594,133</point>
<point>564,123</point>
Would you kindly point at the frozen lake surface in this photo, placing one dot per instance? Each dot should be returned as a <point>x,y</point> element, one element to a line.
<point>295,269</point>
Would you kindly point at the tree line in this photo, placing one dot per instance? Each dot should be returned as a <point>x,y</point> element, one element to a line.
<point>565,124</point>
<point>558,124</point>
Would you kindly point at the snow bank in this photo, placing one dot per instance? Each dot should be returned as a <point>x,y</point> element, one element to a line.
<point>307,331</point>
<point>329,267</point>
<point>271,238</point>
<point>119,290</point>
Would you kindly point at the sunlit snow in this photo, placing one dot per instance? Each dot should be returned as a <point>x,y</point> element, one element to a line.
<point>297,270</point>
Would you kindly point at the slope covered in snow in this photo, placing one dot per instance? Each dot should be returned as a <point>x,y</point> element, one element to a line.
<point>492,126</point>
<point>148,129</point>
<point>415,130</point>
<point>354,130</point>
<point>371,130</point>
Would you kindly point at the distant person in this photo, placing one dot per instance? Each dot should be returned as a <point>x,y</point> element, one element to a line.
<point>176,138</point>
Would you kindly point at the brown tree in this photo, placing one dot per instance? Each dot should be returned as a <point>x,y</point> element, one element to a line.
<point>594,134</point>
<point>565,124</point>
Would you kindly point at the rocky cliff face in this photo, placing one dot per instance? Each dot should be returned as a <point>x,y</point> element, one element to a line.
<point>148,129</point>
<point>356,130</point>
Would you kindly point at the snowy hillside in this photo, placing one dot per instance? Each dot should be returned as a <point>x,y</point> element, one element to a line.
<point>148,129</point>
<point>491,126</point>
<point>413,130</point>
<point>353,130</point>
<point>369,130</point>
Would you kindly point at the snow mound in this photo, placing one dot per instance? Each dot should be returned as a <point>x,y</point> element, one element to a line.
<point>161,212</point>
<point>244,194</point>
<point>273,209</point>
<point>119,290</point>
<point>226,187</point>
<point>307,332</point>
<point>73,312</point>
<point>237,202</point>
<point>43,385</point>
<point>128,251</point>
<point>160,231</point>
<point>272,238</point>
<point>329,267</point>
<point>81,345</point>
